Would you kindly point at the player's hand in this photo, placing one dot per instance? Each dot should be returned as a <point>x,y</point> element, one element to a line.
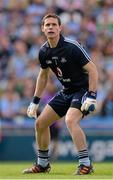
<point>89,102</point>
<point>32,110</point>
<point>33,107</point>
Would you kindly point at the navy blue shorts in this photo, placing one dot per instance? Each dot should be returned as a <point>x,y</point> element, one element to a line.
<point>61,102</point>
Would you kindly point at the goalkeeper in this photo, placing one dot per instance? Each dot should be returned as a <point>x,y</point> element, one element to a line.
<point>78,76</point>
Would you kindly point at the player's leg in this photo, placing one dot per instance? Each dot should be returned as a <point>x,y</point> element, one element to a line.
<point>43,122</point>
<point>73,118</point>
<point>47,117</point>
<point>52,112</point>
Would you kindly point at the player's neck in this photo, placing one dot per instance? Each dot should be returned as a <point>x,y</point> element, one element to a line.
<point>53,42</point>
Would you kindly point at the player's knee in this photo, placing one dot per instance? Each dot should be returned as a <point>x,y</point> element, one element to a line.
<point>69,122</point>
<point>38,124</point>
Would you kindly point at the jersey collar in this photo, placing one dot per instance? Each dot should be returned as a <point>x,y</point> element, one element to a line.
<point>60,42</point>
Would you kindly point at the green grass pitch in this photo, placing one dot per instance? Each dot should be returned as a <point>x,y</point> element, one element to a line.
<point>13,170</point>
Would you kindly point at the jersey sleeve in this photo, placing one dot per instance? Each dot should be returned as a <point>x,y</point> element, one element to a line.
<point>42,59</point>
<point>82,56</point>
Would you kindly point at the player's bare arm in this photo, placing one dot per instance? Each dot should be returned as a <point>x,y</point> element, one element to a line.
<point>89,99</point>
<point>40,86</point>
<point>41,82</point>
<point>93,76</point>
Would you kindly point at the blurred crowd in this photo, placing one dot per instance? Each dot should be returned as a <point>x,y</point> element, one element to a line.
<point>89,22</point>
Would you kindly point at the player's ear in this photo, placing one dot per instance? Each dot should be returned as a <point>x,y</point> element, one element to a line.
<point>42,28</point>
<point>61,28</point>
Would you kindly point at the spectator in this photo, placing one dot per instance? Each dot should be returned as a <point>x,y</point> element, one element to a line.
<point>19,59</point>
<point>10,105</point>
<point>26,96</point>
<point>5,54</point>
<point>107,106</point>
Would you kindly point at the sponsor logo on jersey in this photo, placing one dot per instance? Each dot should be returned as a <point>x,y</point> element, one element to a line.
<point>48,61</point>
<point>63,60</point>
<point>64,80</point>
<point>75,100</point>
<point>54,57</point>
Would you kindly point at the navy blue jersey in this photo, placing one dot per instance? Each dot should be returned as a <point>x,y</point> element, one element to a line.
<point>66,60</point>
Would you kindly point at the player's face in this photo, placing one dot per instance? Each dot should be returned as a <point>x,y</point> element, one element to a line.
<point>51,28</point>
